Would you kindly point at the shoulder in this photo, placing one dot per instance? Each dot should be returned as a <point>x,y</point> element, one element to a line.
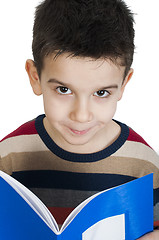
<point>135,137</point>
<point>138,154</point>
<point>140,149</point>
<point>20,140</point>
<point>19,148</point>
<point>137,158</point>
<point>27,128</point>
<point>136,147</point>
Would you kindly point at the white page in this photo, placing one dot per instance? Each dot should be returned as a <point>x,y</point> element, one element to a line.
<point>112,228</point>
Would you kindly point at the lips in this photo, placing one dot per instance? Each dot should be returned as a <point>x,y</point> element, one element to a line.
<point>79,133</point>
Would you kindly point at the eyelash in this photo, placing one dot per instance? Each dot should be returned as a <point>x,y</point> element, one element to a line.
<point>103,93</point>
<point>64,91</point>
<point>61,89</point>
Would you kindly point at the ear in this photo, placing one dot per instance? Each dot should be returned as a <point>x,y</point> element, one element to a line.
<point>34,77</point>
<point>126,80</point>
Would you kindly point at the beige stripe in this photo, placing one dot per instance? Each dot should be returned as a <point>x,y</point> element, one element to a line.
<point>25,143</point>
<point>28,143</point>
<point>48,161</point>
<point>139,151</point>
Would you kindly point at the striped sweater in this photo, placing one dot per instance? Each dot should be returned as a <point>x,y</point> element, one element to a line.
<point>62,179</point>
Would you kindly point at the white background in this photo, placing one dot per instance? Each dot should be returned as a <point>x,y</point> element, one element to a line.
<point>139,106</point>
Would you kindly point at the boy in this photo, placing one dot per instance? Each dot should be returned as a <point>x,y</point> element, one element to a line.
<point>83,51</point>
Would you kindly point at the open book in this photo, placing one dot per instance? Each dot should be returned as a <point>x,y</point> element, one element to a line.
<point>123,212</point>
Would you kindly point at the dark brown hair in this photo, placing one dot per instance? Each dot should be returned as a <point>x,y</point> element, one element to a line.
<point>86,28</point>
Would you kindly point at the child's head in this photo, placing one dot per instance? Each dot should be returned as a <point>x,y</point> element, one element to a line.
<point>82,51</point>
<point>84,28</point>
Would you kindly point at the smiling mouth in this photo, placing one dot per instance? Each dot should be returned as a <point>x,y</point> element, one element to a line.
<point>79,133</point>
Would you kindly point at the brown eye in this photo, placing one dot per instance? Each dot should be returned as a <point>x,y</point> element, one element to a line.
<point>101,93</point>
<point>63,90</point>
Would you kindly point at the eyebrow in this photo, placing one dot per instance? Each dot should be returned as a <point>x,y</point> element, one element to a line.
<point>110,86</point>
<point>53,80</point>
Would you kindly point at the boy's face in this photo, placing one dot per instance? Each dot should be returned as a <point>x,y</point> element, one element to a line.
<point>80,99</point>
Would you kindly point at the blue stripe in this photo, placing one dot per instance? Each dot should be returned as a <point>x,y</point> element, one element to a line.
<point>156,196</point>
<point>74,181</point>
<point>69,180</point>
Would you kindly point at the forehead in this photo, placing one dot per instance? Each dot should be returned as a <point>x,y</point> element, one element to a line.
<point>81,67</point>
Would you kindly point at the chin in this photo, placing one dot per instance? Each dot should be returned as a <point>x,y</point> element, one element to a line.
<point>77,141</point>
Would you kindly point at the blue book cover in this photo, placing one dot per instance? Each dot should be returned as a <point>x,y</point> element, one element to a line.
<point>121,213</point>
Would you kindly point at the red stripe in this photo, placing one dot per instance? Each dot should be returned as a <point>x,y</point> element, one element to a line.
<point>60,214</point>
<point>26,129</point>
<point>133,136</point>
<point>156,224</point>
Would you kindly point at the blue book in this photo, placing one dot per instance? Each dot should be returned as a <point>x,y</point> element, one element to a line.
<point>120,213</point>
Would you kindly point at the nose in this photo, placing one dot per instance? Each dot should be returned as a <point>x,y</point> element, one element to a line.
<point>81,112</point>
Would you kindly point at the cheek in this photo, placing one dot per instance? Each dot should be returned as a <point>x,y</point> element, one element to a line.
<point>107,111</point>
<point>54,109</point>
